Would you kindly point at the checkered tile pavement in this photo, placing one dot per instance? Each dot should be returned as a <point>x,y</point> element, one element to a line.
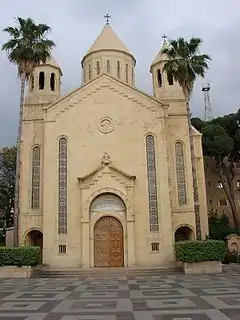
<point>114,297</point>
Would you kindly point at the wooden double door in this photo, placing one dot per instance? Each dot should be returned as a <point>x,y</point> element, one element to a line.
<point>108,243</point>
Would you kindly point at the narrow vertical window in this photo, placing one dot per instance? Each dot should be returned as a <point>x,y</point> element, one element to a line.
<point>152,183</point>
<point>35,178</point>
<point>62,186</point>
<point>32,82</point>
<point>41,80</point>
<point>180,167</point>
<point>89,72</point>
<point>98,67</point>
<point>170,79</point>
<point>159,78</point>
<point>52,81</point>
<point>126,73</point>
<point>108,66</point>
<point>118,69</point>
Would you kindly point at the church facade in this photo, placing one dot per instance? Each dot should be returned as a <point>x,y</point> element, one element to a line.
<point>106,175</point>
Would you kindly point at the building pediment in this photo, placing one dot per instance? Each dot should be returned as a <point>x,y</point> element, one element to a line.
<point>106,167</point>
<point>92,90</point>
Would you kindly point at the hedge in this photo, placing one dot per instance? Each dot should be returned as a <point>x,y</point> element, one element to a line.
<point>197,251</point>
<point>19,256</point>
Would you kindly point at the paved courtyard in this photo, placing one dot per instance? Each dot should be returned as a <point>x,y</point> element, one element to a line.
<point>119,297</point>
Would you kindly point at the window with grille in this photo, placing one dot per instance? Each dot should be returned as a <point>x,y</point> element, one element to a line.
<point>62,249</point>
<point>62,186</point>
<point>152,183</point>
<point>36,178</point>
<point>155,246</point>
<point>180,168</point>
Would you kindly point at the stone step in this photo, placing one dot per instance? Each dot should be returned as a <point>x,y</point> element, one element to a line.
<point>44,272</point>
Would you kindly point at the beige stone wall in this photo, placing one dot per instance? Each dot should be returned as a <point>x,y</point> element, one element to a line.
<point>133,115</point>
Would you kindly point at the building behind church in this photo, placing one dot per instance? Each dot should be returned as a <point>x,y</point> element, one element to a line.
<point>106,176</point>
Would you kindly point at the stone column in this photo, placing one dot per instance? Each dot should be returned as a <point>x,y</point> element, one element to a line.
<point>85,244</point>
<point>130,243</point>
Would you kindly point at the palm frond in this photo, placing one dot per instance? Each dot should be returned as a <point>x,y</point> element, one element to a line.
<point>185,63</point>
<point>27,44</point>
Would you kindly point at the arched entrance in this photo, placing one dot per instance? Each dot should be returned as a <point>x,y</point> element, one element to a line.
<point>108,243</point>
<point>35,238</point>
<point>184,233</point>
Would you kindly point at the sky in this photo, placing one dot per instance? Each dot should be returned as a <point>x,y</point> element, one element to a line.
<point>140,24</point>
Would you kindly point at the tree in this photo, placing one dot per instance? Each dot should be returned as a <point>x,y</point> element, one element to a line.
<point>219,227</point>
<point>26,47</point>
<point>7,186</point>
<point>184,64</point>
<point>221,141</point>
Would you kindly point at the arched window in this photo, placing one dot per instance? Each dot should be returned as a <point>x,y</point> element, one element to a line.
<point>159,78</point>
<point>41,80</point>
<point>126,73</point>
<point>35,178</point>
<point>180,167</point>
<point>32,83</point>
<point>52,81</point>
<point>98,67</point>
<point>170,79</point>
<point>108,66</point>
<point>152,183</point>
<point>89,72</point>
<point>62,186</point>
<point>118,69</point>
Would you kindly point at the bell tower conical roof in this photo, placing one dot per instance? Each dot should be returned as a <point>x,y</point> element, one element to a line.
<point>108,40</point>
<point>161,56</point>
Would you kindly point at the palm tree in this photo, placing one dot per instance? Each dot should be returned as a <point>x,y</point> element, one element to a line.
<point>184,64</point>
<point>26,47</point>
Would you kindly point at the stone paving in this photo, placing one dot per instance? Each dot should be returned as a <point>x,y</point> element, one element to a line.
<point>122,297</point>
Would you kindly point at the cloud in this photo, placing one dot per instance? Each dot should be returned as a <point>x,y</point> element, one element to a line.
<point>140,24</point>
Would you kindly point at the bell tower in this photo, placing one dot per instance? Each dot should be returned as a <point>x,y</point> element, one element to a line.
<point>165,88</point>
<point>44,85</point>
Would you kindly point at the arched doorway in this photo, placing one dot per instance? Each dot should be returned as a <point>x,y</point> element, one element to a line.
<point>184,233</point>
<point>108,243</point>
<point>35,238</point>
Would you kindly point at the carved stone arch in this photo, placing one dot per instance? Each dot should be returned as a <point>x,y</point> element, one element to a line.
<point>106,190</point>
<point>108,202</point>
<point>31,229</point>
<point>188,232</point>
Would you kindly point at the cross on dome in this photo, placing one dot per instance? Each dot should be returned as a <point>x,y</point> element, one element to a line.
<point>107,16</point>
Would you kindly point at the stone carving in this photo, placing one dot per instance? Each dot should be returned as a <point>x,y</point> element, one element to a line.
<point>106,125</point>
<point>233,243</point>
<point>106,159</point>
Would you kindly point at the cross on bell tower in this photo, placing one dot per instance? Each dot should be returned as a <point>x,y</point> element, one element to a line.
<point>107,16</point>
<point>164,37</point>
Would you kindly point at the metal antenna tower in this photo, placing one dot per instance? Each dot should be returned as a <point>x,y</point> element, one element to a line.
<point>207,103</point>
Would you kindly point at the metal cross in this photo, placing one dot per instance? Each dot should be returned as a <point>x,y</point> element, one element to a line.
<point>164,37</point>
<point>107,17</point>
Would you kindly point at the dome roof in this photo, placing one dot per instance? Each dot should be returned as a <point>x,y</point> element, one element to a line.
<point>108,40</point>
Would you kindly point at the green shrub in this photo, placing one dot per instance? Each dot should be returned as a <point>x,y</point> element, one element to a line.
<point>197,251</point>
<point>19,256</point>
<point>231,257</point>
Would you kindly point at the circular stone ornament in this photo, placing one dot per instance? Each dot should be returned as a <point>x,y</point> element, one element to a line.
<point>106,125</point>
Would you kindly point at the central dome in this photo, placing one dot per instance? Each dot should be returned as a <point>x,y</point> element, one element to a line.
<point>108,54</point>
